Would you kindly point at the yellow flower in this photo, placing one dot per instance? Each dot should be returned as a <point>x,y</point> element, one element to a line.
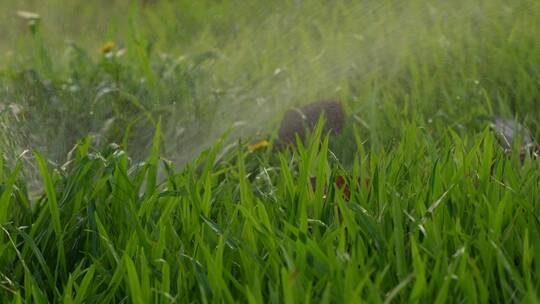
<point>258,145</point>
<point>107,47</point>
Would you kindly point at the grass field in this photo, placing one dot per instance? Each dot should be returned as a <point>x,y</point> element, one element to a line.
<point>127,173</point>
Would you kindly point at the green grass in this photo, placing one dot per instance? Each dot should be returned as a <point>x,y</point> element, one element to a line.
<point>155,204</point>
<point>448,220</point>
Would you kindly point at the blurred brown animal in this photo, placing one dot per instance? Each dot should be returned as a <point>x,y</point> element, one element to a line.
<point>299,120</point>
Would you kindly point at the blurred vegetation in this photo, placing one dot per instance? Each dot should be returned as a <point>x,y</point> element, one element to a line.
<point>208,66</point>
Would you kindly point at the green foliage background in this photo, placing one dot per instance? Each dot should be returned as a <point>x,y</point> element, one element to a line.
<point>438,213</point>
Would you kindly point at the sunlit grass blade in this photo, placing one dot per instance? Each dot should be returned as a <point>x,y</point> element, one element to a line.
<point>54,210</point>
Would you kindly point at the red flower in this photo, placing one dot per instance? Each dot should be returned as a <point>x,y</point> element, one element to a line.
<point>342,184</point>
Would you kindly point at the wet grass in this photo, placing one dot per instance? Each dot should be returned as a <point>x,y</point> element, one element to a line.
<point>431,220</point>
<point>155,204</point>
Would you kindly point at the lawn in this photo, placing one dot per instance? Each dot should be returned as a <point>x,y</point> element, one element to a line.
<point>129,172</point>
